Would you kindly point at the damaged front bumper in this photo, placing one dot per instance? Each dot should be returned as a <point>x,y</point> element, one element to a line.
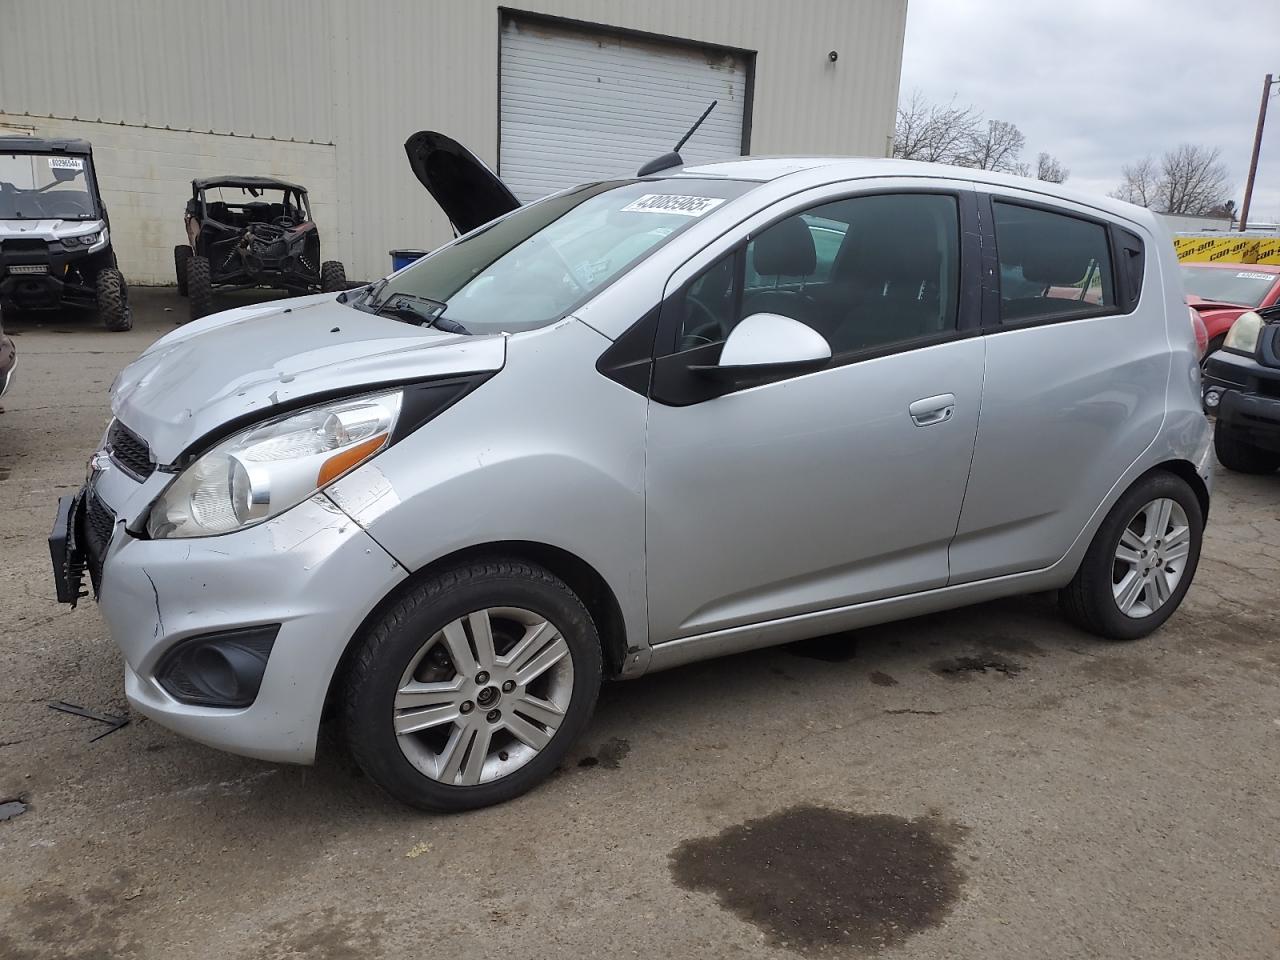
<point>313,571</point>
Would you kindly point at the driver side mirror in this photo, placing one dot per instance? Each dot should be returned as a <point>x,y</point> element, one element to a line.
<point>768,343</point>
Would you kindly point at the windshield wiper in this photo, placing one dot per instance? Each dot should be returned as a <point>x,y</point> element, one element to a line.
<point>420,310</point>
<point>360,298</point>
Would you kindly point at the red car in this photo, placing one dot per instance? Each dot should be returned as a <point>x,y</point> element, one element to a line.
<point>1220,292</point>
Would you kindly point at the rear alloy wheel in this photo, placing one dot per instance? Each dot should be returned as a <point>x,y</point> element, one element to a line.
<point>1238,454</point>
<point>333,277</point>
<point>1141,561</point>
<point>199,287</point>
<point>473,687</point>
<point>181,254</point>
<point>113,300</point>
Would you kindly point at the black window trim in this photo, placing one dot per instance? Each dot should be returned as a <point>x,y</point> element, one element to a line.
<point>991,322</point>
<point>672,384</point>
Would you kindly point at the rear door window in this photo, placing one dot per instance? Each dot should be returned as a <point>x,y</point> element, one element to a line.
<point>1052,265</point>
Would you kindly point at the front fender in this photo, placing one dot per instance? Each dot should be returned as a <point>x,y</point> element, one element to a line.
<point>546,451</point>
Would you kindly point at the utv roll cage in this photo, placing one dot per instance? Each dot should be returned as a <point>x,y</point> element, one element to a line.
<point>248,241</point>
<point>295,204</point>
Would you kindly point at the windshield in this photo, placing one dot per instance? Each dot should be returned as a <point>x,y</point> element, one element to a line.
<point>540,263</point>
<point>44,186</point>
<point>1243,286</point>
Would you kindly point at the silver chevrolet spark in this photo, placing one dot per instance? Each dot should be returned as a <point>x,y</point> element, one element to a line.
<point>633,425</point>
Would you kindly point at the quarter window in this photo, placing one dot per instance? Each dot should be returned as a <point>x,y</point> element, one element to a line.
<point>865,272</point>
<point>1051,265</point>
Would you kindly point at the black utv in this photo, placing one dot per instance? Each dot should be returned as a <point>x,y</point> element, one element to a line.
<point>248,232</point>
<point>55,237</point>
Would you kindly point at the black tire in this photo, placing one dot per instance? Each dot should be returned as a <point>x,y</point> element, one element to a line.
<point>1238,454</point>
<point>113,300</point>
<point>333,277</point>
<point>383,653</point>
<point>199,287</point>
<point>181,254</point>
<point>1089,602</point>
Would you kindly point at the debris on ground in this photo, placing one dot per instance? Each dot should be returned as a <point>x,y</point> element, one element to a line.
<point>114,722</point>
<point>12,807</point>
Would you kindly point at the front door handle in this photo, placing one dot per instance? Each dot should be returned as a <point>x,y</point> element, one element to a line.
<point>932,410</point>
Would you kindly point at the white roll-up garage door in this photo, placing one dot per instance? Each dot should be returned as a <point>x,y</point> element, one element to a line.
<point>580,105</point>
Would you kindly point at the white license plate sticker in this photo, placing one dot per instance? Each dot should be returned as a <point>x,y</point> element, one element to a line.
<point>685,206</point>
<point>29,268</point>
<point>66,163</point>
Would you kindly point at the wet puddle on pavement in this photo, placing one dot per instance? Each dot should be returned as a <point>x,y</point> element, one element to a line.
<point>816,879</point>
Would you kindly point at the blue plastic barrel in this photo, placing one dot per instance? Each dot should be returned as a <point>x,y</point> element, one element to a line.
<point>402,258</point>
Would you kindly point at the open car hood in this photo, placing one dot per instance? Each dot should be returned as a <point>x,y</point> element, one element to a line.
<point>469,192</point>
<point>249,364</point>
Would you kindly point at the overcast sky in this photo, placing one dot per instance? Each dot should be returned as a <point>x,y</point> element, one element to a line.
<point>1102,83</point>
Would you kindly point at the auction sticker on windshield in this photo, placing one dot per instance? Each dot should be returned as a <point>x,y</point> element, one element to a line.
<point>66,163</point>
<point>673,203</point>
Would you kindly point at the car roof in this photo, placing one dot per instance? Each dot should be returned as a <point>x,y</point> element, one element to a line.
<point>230,181</point>
<point>42,145</point>
<point>1253,267</point>
<point>765,169</point>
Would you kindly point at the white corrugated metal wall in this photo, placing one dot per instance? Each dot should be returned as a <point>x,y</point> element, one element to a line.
<point>577,105</point>
<point>360,78</point>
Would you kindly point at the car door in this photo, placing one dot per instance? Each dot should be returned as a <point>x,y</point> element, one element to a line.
<point>797,492</point>
<point>1077,368</point>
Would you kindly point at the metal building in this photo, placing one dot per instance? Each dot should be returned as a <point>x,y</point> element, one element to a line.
<point>325,92</point>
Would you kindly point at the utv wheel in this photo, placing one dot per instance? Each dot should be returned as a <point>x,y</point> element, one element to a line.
<point>1141,561</point>
<point>181,254</point>
<point>472,688</point>
<point>1238,454</point>
<point>199,287</point>
<point>333,277</point>
<point>113,300</point>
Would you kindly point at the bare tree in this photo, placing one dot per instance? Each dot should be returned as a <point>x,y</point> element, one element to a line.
<point>1194,180</point>
<point>1189,180</point>
<point>939,133</point>
<point>1049,169</point>
<point>996,148</point>
<point>1141,183</point>
<point>946,133</point>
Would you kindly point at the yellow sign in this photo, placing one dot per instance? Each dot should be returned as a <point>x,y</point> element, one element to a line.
<point>1221,249</point>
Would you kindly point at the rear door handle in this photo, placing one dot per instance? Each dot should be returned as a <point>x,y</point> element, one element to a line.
<point>932,410</point>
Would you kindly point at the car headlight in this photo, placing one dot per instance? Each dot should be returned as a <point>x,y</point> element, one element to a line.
<point>85,240</point>
<point>1244,333</point>
<point>268,468</point>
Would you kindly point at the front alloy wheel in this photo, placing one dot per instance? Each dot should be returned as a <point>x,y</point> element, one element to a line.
<point>472,686</point>
<point>483,696</point>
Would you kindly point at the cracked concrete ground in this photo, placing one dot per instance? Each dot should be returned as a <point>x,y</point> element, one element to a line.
<point>1062,798</point>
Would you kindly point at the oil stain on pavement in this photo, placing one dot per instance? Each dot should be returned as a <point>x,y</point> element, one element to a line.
<point>819,880</point>
<point>610,755</point>
<point>961,668</point>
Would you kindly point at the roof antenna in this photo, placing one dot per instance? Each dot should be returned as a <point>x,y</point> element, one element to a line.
<point>673,159</point>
